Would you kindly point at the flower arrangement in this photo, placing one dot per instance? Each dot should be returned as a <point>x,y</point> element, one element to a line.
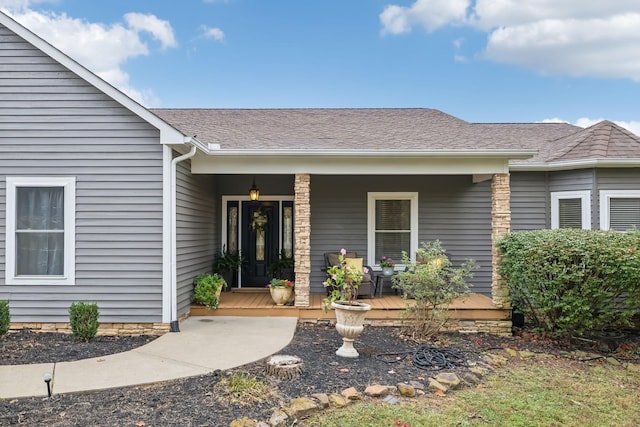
<point>280,283</point>
<point>386,262</point>
<point>343,281</point>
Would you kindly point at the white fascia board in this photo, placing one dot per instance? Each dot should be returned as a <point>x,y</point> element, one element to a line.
<point>168,134</point>
<point>492,154</point>
<point>575,164</point>
<point>341,164</point>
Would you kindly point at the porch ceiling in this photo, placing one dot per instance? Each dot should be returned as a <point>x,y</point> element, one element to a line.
<point>343,162</point>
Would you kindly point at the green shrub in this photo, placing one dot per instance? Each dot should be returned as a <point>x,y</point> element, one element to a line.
<point>207,288</point>
<point>434,283</point>
<point>573,281</point>
<point>83,318</point>
<point>5,317</point>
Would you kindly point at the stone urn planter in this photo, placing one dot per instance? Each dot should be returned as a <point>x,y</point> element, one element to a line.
<point>281,295</point>
<point>349,324</point>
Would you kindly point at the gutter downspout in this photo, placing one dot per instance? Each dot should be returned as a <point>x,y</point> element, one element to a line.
<point>175,327</point>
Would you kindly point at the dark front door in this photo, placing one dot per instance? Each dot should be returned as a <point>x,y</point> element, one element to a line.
<point>260,235</point>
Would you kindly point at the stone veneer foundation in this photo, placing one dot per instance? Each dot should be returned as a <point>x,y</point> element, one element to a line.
<point>302,235</point>
<point>108,329</point>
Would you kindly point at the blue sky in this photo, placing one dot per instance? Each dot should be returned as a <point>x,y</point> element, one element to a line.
<point>482,60</point>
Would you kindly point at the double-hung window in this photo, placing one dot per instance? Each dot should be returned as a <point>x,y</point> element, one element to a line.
<point>40,231</point>
<point>392,225</point>
<point>619,210</point>
<point>571,209</point>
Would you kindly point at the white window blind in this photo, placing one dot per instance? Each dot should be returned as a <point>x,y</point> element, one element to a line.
<point>570,213</point>
<point>624,213</point>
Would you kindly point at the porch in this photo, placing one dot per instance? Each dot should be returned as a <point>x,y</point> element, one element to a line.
<point>472,313</point>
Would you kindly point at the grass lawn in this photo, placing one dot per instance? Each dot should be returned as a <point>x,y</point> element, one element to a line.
<point>542,392</point>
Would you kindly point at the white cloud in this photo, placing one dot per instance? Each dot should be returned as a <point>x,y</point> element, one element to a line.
<point>431,14</point>
<point>212,33</point>
<point>584,122</point>
<point>102,48</point>
<point>159,29</point>
<point>565,37</point>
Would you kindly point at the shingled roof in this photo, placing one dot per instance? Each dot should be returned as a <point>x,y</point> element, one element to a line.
<point>413,129</point>
<point>409,129</point>
<point>604,140</point>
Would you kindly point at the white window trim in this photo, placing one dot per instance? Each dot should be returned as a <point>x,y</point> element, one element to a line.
<point>605,204</point>
<point>371,209</point>
<point>583,195</point>
<point>69,184</point>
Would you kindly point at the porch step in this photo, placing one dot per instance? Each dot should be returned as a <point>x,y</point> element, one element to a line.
<point>385,310</point>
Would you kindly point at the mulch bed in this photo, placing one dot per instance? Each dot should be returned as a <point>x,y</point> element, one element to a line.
<point>385,358</point>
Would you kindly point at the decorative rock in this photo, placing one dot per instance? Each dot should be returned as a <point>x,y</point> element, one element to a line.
<point>301,406</point>
<point>527,354</point>
<point>448,379</point>
<point>632,367</point>
<point>263,424</point>
<point>351,394</point>
<point>435,386</point>
<point>392,400</point>
<point>478,371</point>
<point>494,359</point>
<point>285,367</point>
<point>322,399</point>
<point>511,352</point>
<point>337,400</point>
<point>243,422</point>
<point>406,390</point>
<point>470,378</point>
<point>377,390</point>
<point>417,385</point>
<point>279,418</point>
<point>613,361</point>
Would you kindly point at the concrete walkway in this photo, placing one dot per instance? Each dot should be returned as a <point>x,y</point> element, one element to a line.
<point>203,345</point>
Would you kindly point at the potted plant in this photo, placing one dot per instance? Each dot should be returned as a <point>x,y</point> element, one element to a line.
<point>281,290</point>
<point>227,263</point>
<point>282,267</point>
<point>387,266</point>
<point>343,280</point>
<point>207,288</point>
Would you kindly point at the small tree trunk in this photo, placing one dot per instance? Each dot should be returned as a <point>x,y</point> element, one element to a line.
<point>285,367</point>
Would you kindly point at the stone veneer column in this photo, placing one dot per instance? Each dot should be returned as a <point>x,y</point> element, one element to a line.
<point>302,236</point>
<point>500,226</point>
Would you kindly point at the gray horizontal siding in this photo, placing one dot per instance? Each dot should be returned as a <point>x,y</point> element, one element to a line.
<point>529,201</point>
<point>618,179</point>
<point>577,180</point>
<point>52,123</point>
<point>451,209</point>
<point>196,212</point>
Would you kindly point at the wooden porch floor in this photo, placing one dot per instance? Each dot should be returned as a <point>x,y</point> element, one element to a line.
<point>388,308</point>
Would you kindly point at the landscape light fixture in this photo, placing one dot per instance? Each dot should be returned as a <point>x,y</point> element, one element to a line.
<point>254,192</point>
<point>47,380</point>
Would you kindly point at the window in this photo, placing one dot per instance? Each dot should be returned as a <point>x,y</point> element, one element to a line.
<point>619,210</point>
<point>40,231</point>
<point>571,209</point>
<point>392,224</point>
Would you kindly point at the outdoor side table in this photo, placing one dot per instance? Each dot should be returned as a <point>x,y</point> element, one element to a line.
<point>380,278</point>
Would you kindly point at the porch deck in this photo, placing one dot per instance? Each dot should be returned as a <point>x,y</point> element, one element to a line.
<point>384,310</point>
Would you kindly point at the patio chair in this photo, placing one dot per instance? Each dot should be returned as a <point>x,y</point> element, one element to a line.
<point>366,287</point>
